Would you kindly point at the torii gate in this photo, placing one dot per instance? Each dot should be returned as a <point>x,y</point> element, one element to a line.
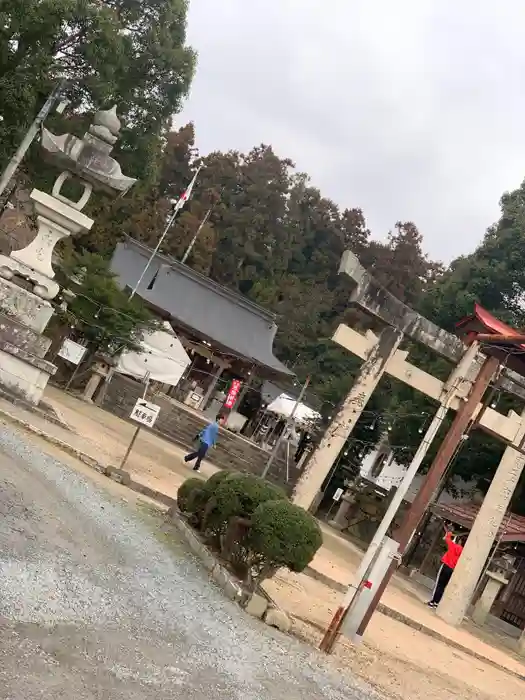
<point>463,392</point>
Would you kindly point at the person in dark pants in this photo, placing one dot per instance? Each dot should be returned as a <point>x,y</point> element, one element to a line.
<point>207,438</point>
<point>448,564</point>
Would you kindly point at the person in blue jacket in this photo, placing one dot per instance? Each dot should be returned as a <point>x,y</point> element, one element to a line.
<point>207,438</point>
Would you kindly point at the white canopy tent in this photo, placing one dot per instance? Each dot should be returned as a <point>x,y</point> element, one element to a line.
<point>283,406</point>
<point>162,355</point>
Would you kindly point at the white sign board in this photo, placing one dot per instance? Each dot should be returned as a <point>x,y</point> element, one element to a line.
<point>145,412</point>
<point>72,352</point>
<point>337,495</point>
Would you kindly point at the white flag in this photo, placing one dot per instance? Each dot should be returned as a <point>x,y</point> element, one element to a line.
<point>187,192</point>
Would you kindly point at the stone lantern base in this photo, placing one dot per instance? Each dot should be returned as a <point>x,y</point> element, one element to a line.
<point>23,370</point>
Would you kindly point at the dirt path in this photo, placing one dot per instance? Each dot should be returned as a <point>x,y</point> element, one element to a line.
<point>396,659</point>
<point>98,600</point>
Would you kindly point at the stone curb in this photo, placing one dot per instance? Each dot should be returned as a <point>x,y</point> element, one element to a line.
<point>258,605</point>
<point>419,627</point>
<point>66,447</point>
<point>218,573</point>
<point>109,471</point>
<point>413,624</point>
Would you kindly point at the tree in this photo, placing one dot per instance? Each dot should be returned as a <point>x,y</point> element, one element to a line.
<point>101,312</point>
<point>129,52</point>
<point>494,276</point>
<point>143,213</point>
<point>401,266</point>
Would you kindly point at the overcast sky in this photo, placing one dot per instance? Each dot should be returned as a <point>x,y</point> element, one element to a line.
<point>409,109</point>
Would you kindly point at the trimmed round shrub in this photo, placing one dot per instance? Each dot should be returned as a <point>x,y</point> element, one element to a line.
<point>197,501</point>
<point>215,479</point>
<point>185,492</point>
<point>282,534</point>
<point>238,496</point>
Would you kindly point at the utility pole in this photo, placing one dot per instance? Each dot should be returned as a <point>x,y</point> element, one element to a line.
<point>30,136</point>
<point>288,422</point>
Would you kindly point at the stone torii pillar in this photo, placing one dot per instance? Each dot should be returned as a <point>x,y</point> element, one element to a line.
<point>490,518</point>
<point>334,439</point>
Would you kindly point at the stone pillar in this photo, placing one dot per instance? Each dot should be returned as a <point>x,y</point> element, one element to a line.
<point>336,435</point>
<point>100,372</point>
<point>521,644</point>
<point>340,519</point>
<point>212,387</point>
<point>495,583</point>
<point>462,585</point>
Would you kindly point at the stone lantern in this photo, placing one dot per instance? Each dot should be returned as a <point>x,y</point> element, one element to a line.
<point>27,284</point>
<point>498,575</point>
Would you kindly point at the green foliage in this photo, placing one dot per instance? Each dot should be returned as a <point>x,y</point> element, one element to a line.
<point>216,479</point>
<point>251,522</point>
<point>237,496</point>
<point>101,312</point>
<point>129,52</point>
<point>185,493</point>
<point>284,535</point>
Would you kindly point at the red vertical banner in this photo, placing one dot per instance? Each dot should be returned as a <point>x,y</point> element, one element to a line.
<point>233,393</point>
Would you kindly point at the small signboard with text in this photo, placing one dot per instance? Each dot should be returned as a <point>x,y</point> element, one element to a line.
<point>145,413</point>
<point>337,495</point>
<point>71,351</point>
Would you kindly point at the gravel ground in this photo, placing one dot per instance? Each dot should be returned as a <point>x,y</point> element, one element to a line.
<point>94,604</point>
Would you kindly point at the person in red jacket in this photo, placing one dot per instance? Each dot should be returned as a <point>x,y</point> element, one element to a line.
<point>448,564</point>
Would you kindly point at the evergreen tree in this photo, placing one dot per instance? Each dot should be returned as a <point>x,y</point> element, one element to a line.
<point>129,52</point>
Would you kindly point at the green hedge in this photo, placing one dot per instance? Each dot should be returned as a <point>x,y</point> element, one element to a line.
<point>185,492</point>
<point>252,523</point>
<point>237,496</point>
<point>284,535</point>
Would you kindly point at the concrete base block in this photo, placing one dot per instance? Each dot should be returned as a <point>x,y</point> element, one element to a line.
<point>24,375</point>
<point>118,475</point>
<point>257,606</point>
<point>279,620</point>
<point>26,307</point>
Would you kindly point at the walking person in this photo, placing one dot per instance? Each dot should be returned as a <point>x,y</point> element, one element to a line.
<point>448,564</point>
<point>207,438</point>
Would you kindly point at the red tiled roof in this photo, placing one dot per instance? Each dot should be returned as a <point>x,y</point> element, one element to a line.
<point>464,514</point>
<point>482,321</point>
<point>485,322</point>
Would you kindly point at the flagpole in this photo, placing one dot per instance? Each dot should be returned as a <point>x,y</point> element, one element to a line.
<point>181,202</point>
<point>203,222</point>
<point>194,239</point>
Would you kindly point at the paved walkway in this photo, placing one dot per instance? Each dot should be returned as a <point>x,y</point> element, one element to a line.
<point>158,464</point>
